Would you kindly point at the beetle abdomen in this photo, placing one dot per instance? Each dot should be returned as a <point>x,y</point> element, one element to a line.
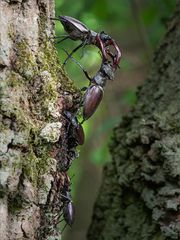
<point>92,99</point>
<point>76,29</point>
<point>69,213</point>
<point>80,134</point>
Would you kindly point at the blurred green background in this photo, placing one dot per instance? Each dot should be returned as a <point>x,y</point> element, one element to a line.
<point>137,26</point>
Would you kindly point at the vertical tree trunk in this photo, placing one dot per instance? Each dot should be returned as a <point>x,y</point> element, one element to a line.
<point>140,194</point>
<point>33,92</point>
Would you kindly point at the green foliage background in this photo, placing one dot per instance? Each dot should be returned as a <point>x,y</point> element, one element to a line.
<point>137,26</point>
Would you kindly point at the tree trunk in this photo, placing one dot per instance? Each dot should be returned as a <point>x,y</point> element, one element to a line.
<point>140,194</point>
<point>33,144</point>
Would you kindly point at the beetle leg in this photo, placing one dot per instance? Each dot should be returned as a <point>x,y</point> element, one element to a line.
<point>83,89</point>
<point>82,68</point>
<point>84,44</point>
<point>82,54</point>
<point>62,39</point>
<point>60,221</point>
<point>60,36</point>
<point>57,219</point>
<point>56,19</point>
<point>64,228</point>
<point>57,216</point>
<point>56,37</point>
<point>66,197</point>
<point>73,51</point>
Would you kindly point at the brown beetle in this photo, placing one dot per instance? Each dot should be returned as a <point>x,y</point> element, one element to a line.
<point>78,31</point>
<point>75,129</point>
<point>68,207</point>
<point>92,99</point>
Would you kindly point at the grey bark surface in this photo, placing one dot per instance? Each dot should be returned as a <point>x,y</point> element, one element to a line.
<point>32,130</point>
<point>140,195</point>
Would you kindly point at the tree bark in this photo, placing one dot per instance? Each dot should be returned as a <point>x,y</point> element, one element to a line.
<point>33,143</point>
<point>140,194</point>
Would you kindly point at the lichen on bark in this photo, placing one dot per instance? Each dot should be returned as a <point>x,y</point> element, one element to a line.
<point>34,90</point>
<point>139,196</point>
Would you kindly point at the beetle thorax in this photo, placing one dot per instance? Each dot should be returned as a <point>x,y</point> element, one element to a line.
<point>100,79</point>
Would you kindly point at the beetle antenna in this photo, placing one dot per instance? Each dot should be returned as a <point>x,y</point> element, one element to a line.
<point>78,63</point>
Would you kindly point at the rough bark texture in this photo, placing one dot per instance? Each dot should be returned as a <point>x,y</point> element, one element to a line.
<point>32,130</point>
<point>140,194</point>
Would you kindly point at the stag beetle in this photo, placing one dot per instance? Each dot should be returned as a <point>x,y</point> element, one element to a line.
<point>94,93</point>
<point>75,130</point>
<point>68,207</point>
<point>78,31</point>
<point>67,161</point>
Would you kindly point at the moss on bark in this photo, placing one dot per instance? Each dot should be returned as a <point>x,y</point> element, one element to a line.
<point>34,90</point>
